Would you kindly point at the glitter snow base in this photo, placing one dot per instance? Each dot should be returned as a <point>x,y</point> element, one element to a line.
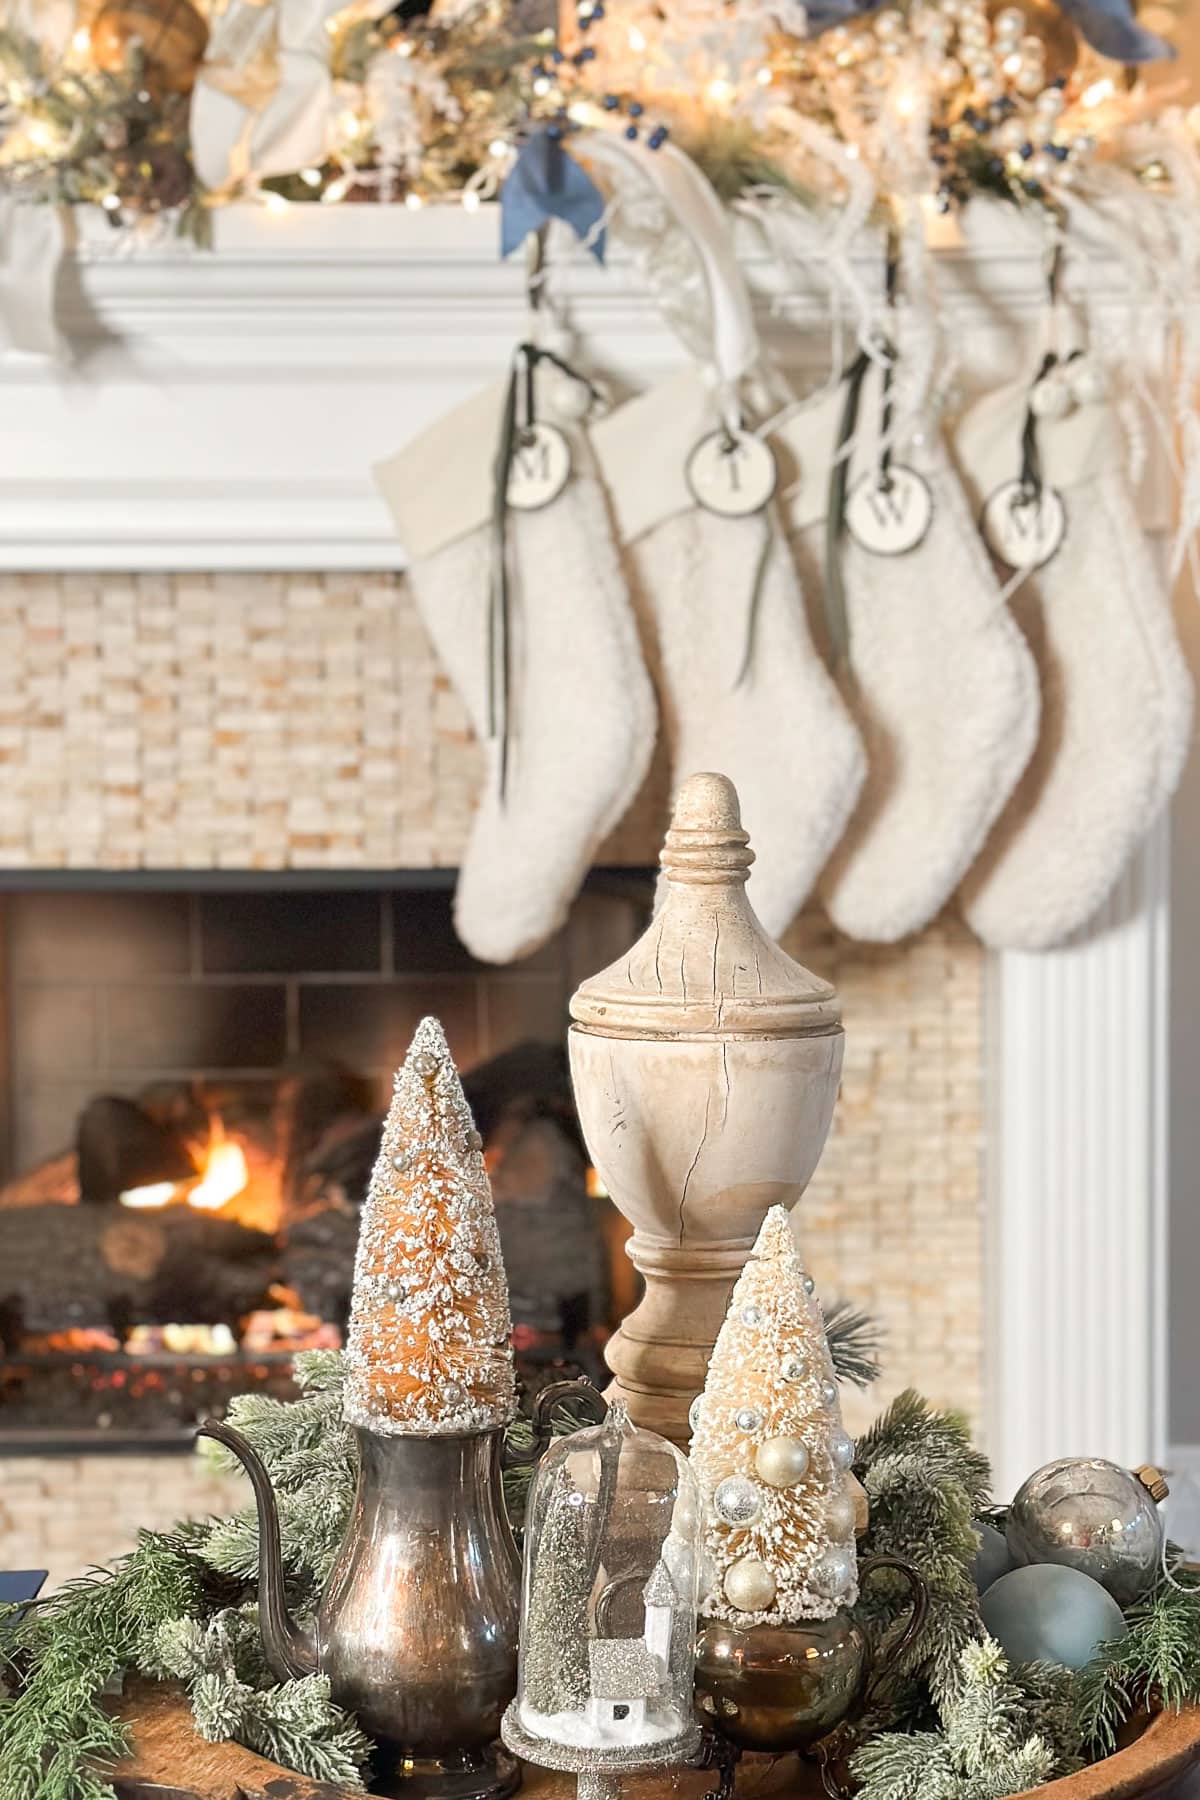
<point>572,1758</point>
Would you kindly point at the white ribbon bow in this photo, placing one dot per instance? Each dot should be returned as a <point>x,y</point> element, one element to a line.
<point>263,97</point>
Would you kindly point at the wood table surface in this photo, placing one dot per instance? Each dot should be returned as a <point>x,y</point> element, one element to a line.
<point>169,1761</point>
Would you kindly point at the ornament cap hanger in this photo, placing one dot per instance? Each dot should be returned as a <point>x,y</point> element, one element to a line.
<point>705,967</point>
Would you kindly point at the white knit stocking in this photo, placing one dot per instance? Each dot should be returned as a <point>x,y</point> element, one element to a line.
<point>944,693</point>
<point>581,711</point>
<point>781,734</point>
<point>1116,718</point>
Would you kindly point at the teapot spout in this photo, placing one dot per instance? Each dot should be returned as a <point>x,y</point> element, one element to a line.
<point>290,1651</point>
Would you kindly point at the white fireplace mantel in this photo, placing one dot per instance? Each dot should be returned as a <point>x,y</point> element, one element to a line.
<point>222,410</point>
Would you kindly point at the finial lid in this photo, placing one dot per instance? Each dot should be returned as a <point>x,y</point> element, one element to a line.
<point>705,967</point>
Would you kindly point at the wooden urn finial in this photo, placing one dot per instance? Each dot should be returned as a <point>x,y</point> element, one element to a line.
<point>706,1065</point>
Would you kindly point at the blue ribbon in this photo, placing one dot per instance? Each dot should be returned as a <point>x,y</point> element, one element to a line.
<point>1108,26</point>
<point>545,183</point>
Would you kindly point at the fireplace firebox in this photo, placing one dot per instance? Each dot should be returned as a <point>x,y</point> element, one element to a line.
<point>194,1071</point>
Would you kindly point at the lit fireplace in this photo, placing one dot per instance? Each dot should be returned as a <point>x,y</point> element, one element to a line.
<point>200,1224</point>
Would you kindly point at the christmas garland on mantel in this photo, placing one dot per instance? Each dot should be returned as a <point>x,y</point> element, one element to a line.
<point>163,109</point>
<point>954,1722</point>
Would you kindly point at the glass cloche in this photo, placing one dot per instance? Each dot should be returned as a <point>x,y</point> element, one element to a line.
<point>608,1604</point>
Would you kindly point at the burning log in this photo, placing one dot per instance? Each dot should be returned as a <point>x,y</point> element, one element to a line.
<point>120,1146</point>
<point>80,1267</point>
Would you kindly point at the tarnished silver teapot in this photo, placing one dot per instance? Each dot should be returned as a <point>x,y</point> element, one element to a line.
<point>417,1626</point>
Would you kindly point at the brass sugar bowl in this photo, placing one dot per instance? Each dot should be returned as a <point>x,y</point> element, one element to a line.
<point>785,1687</point>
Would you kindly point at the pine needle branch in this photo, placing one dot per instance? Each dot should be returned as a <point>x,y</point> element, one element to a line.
<point>855,1342</point>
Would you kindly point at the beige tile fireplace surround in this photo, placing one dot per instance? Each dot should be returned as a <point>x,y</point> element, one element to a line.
<point>275,721</point>
<point>180,717</point>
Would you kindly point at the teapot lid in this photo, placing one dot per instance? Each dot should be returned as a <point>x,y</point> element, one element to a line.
<point>705,967</point>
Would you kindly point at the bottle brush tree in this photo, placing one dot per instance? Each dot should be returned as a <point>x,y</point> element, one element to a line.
<point>428,1347</point>
<point>770,1451</point>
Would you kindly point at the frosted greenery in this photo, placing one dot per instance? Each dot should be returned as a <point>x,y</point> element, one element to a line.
<point>293,1723</point>
<point>953,1723</point>
<point>309,1453</point>
<point>984,1751</point>
<point>926,1485</point>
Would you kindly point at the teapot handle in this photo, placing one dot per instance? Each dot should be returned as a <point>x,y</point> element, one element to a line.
<point>833,1751</point>
<point>581,1393</point>
<point>916,1623</point>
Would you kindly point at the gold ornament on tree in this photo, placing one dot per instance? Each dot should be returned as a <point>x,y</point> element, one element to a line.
<point>770,1451</point>
<point>172,35</point>
<point>428,1345</point>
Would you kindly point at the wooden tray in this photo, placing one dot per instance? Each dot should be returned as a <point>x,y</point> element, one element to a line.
<point>168,1761</point>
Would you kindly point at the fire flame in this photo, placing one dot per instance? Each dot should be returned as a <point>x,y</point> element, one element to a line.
<point>156,1194</point>
<point>225,1176</point>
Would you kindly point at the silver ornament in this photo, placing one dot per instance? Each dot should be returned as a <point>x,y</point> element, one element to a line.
<point>748,1418</point>
<point>809,1285</point>
<point>840,1516</point>
<point>833,1574</point>
<point>737,1500</point>
<point>1093,1516</point>
<point>397,1292</point>
<point>474,1140</point>
<point>749,1584</point>
<point>782,1461</point>
<point>425,1063</point>
<point>694,1411</point>
<point>841,1449</point>
<point>792,1368</point>
<point>751,1315</point>
<point>402,1161</point>
<point>829,1392</point>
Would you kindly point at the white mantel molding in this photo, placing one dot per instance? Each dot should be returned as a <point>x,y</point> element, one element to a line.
<point>223,410</point>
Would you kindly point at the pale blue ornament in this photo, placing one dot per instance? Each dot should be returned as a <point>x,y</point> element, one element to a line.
<point>1050,1613</point>
<point>992,1560</point>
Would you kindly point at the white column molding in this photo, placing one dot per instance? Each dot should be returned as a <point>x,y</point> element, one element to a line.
<point>1076,1187</point>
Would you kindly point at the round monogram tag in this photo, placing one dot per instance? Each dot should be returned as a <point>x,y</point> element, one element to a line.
<point>1021,529</point>
<point>731,473</point>
<point>540,467</point>
<point>889,514</point>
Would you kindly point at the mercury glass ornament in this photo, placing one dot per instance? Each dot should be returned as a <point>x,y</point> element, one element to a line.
<point>829,1392</point>
<point>1093,1516</point>
<point>748,1419</point>
<point>694,1411</point>
<point>737,1500</point>
<point>1048,1613</point>
<point>781,1461</point>
<point>792,1368</point>
<point>834,1573</point>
